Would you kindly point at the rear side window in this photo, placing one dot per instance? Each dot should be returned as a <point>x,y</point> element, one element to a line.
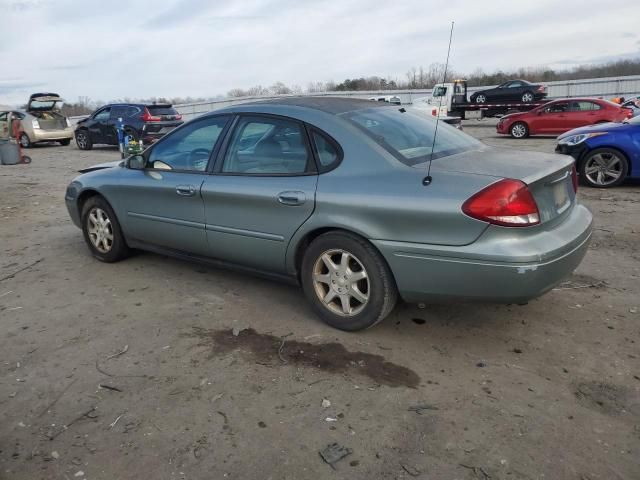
<point>161,110</point>
<point>584,106</point>
<point>326,151</point>
<point>133,111</point>
<point>557,107</point>
<point>267,146</point>
<point>118,111</point>
<point>408,134</point>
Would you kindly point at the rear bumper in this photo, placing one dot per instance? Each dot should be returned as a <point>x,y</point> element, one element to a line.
<point>519,267</point>
<point>39,135</point>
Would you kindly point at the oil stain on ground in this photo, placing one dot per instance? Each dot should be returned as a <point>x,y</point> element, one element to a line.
<point>328,357</point>
<point>607,398</point>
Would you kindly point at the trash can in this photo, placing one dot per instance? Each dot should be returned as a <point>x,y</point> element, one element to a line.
<point>9,153</point>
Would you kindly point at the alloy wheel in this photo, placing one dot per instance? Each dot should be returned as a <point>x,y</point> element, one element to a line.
<point>341,282</point>
<point>100,230</point>
<point>81,140</point>
<point>519,130</point>
<point>481,99</point>
<point>24,141</point>
<point>527,97</point>
<point>603,169</point>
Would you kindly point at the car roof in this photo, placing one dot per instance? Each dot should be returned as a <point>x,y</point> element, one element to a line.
<point>133,104</point>
<point>332,105</point>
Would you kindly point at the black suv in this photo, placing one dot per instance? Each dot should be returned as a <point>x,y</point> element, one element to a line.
<point>140,122</point>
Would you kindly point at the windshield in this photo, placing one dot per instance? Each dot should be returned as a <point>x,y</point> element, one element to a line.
<point>408,135</point>
<point>439,91</point>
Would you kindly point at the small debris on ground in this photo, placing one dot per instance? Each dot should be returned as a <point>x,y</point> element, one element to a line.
<point>325,403</point>
<point>330,419</point>
<point>414,472</point>
<point>421,408</point>
<point>333,453</point>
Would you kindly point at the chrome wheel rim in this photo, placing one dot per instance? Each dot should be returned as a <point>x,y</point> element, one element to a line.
<point>24,140</point>
<point>603,169</point>
<point>341,282</point>
<point>527,97</point>
<point>81,140</point>
<point>518,130</point>
<point>100,230</point>
<point>481,99</point>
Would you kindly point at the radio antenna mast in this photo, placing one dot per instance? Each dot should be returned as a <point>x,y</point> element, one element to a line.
<point>427,180</point>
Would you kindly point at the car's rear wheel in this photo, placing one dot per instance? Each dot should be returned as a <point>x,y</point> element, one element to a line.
<point>65,142</point>
<point>527,97</point>
<point>604,168</point>
<point>481,98</point>
<point>102,232</point>
<point>83,140</point>
<point>519,130</point>
<point>347,281</point>
<point>25,142</point>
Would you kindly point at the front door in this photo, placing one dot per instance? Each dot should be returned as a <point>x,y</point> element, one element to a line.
<point>163,203</point>
<point>263,190</point>
<point>552,119</point>
<point>97,125</point>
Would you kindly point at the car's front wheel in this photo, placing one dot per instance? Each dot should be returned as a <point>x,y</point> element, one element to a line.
<point>347,281</point>
<point>102,232</point>
<point>83,140</point>
<point>604,167</point>
<point>519,130</point>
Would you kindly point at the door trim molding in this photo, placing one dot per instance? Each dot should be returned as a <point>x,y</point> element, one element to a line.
<point>175,221</point>
<point>245,233</point>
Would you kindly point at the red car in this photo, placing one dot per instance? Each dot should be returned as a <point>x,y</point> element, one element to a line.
<point>559,116</point>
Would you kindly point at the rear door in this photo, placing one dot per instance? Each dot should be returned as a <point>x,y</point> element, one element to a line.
<point>262,191</point>
<point>513,93</point>
<point>582,113</point>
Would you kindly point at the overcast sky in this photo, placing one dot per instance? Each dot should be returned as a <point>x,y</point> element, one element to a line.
<point>110,49</point>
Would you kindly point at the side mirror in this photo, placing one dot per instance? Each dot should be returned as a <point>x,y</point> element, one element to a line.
<point>135,162</point>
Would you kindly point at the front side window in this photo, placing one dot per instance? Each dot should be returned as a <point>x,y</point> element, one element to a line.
<point>188,148</point>
<point>559,107</point>
<point>267,146</point>
<point>408,134</point>
<point>439,91</point>
<point>102,114</point>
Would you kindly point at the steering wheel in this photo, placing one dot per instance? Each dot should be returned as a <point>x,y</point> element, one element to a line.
<point>198,159</point>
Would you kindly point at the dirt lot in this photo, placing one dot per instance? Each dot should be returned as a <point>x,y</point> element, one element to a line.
<point>548,390</point>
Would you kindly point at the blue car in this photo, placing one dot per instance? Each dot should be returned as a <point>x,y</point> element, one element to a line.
<point>606,154</point>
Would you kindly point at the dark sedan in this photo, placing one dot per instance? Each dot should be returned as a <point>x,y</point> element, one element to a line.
<point>511,91</point>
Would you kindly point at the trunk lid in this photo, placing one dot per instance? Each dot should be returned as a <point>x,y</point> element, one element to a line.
<point>548,176</point>
<point>43,102</point>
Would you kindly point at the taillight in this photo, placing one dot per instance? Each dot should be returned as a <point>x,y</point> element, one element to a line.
<point>541,88</point>
<point>508,203</point>
<point>574,178</point>
<point>147,117</point>
<point>178,117</point>
<point>434,112</point>
<point>628,111</point>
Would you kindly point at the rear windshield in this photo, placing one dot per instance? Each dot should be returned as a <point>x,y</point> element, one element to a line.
<point>45,105</point>
<point>161,110</point>
<point>408,134</point>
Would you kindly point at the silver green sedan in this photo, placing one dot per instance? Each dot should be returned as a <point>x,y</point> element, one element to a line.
<point>354,200</point>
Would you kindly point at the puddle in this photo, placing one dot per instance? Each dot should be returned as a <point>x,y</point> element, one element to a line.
<point>328,357</point>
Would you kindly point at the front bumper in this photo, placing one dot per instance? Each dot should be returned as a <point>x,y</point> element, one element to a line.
<point>576,151</point>
<point>502,127</point>
<point>501,266</point>
<point>39,135</point>
<point>71,200</point>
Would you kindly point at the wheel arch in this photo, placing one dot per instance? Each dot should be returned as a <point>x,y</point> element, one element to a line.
<point>617,148</point>
<point>300,245</point>
<point>85,195</point>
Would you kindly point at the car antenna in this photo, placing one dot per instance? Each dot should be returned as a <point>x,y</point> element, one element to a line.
<point>427,180</point>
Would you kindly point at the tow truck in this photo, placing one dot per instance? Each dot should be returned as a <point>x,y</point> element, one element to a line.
<point>450,99</point>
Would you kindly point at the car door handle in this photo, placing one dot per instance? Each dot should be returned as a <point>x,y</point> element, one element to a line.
<point>186,190</point>
<point>292,198</point>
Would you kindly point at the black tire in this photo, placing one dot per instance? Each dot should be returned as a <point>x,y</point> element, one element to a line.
<point>118,249</point>
<point>527,97</point>
<point>519,130</point>
<point>607,154</point>
<point>83,140</point>
<point>65,142</point>
<point>25,142</point>
<point>380,284</point>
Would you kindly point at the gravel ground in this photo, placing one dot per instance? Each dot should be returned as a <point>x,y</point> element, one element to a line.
<point>132,370</point>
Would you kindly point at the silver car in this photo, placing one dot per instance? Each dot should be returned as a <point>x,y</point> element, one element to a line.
<point>43,122</point>
<point>355,201</point>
